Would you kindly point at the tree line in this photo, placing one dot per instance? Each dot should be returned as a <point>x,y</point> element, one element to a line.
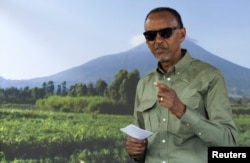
<point>122,89</point>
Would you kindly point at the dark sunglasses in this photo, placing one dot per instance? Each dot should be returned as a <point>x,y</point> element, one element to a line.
<point>164,33</point>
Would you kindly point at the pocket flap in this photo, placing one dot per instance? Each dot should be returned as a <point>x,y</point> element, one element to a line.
<point>146,105</point>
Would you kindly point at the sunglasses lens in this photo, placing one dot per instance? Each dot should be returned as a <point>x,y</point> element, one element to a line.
<point>150,35</point>
<point>165,33</point>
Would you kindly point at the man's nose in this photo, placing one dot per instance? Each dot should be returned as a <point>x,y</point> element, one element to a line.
<point>158,38</point>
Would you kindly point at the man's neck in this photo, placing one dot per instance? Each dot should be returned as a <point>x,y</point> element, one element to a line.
<point>167,64</point>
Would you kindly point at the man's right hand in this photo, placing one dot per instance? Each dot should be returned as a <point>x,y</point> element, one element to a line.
<point>135,146</point>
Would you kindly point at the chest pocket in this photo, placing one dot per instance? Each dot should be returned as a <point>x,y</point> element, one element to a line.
<point>148,115</point>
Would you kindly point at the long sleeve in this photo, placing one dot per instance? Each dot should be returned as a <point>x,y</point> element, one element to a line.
<point>218,128</point>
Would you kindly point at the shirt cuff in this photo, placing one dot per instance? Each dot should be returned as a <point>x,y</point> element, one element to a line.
<point>191,118</point>
<point>138,158</point>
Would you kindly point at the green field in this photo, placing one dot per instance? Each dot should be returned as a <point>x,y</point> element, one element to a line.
<point>28,136</point>
<point>37,136</point>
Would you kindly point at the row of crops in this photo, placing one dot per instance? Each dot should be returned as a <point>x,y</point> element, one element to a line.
<point>34,136</point>
<point>53,137</point>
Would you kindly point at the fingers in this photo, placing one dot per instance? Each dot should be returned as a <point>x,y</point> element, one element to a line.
<point>134,141</point>
<point>163,91</point>
<point>161,86</point>
<point>168,98</point>
<point>135,146</point>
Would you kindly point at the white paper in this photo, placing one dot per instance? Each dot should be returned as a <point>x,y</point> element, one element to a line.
<point>136,132</point>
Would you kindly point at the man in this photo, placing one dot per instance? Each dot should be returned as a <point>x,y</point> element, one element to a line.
<point>184,102</point>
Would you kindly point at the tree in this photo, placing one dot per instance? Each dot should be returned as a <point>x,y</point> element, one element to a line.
<point>132,81</point>
<point>64,88</point>
<point>59,90</point>
<point>78,90</point>
<point>11,95</point>
<point>100,87</point>
<point>50,88</point>
<point>24,96</point>
<point>37,93</point>
<point>114,91</point>
<point>2,96</point>
<point>91,90</point>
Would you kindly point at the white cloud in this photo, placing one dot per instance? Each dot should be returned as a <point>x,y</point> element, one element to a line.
<point>137,39</point>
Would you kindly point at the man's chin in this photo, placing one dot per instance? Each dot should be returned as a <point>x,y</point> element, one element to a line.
<point>163,59</point>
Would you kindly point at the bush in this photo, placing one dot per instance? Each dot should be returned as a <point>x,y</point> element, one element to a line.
<point>84,104</point>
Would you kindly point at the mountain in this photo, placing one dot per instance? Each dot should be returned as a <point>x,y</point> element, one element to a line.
<point>106,67</point>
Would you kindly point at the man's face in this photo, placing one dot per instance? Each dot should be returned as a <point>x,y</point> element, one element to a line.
<point>164,49</point>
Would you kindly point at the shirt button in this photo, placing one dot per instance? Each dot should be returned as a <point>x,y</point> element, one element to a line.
<point>178,73</point>
<point>187,124</point>
<point>164,119</point>
<point>168,79</point>
<point>163,141</point>
<point>199,134</point>
<point>164,162</point>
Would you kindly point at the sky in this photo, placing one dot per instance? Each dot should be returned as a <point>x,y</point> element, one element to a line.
<point>39,38</point>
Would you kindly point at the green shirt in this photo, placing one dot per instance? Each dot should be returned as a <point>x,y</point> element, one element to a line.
<point>207,121</point>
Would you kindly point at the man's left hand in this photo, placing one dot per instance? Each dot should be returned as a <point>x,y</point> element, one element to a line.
<point>169,99</point>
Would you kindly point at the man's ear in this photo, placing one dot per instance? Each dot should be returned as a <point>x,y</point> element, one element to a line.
<point>182,34</point>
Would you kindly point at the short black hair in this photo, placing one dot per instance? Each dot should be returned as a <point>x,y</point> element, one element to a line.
<point>167,9</point>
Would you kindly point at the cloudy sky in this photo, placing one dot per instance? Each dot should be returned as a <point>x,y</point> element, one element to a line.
<point>42,37</point>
